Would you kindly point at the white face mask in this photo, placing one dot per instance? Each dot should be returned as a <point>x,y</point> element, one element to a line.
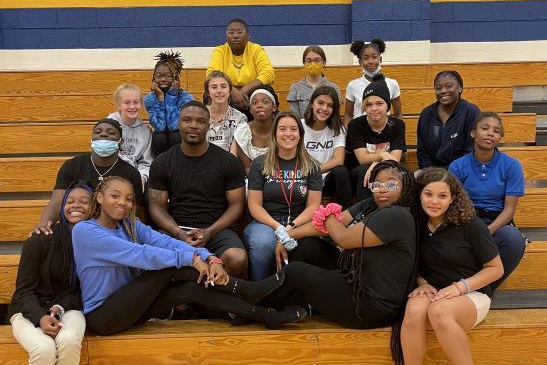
<point>373,73</point>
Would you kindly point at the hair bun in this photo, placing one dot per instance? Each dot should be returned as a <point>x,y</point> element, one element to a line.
<point>356,46</point>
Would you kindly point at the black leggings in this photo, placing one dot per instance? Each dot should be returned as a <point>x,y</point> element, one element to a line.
<point>317,252</point>
<point>338,183</point>
<point>329,293</point>
<point>154,294</point>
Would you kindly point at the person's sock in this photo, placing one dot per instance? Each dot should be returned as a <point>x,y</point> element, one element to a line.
<point>254,291</point>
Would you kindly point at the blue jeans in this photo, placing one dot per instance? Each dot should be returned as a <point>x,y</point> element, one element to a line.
<point>511,244</point>
<point>260,241</point>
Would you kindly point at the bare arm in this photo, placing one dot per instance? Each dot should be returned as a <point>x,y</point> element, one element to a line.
<point>251,86</point>
<point>490,272</point>
<point>506,215</point>
<point>397,109</point>
<point>348,112</point>
<point>365,157</point>
<point>233,148</point>
<point>51,212</point>
<point>157,205</point>
<point>236,201</point>
<point>350,237</point>
<point>245,160</point>
<point>255,199</point>
<point>336,160</point>
<point>308,230</point>
<point>312,203</point>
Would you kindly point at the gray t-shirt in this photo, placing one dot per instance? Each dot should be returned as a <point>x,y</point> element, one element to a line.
<point>300,94</point>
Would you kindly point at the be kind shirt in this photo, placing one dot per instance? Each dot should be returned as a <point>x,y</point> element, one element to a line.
<point>273,198</point>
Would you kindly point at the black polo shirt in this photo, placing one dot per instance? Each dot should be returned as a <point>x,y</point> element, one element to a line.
<point>454,252</point>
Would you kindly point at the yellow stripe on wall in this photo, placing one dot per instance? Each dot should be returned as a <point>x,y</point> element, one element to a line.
<point>21,4</point>
<point>475,1</point>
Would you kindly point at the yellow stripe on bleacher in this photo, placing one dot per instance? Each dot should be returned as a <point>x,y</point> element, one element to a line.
<point>20,4</point>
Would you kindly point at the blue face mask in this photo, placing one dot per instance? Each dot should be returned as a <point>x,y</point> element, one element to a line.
<point>105,148</point>
<point>373,73</point>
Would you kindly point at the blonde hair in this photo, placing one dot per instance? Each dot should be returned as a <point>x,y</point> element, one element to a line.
<point>129,223</point>
<point>124,87</point>
<point>306,162</point>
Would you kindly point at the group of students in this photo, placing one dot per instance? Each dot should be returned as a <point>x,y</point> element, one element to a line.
<point>91,260</point>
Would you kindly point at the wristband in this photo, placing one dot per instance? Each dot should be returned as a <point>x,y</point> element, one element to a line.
<point>466,285</point>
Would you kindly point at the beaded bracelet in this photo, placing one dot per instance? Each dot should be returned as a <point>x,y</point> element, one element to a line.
<point>466,285</point>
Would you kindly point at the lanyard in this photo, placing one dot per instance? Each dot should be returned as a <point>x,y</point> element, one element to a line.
<point>287,200</point>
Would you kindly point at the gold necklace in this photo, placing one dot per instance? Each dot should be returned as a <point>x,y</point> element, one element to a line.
<point>101,176</point>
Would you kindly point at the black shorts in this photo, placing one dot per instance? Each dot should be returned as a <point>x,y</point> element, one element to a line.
<point>224,240</point>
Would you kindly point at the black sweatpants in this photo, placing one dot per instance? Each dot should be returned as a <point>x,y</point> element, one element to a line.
<point>329,293</point>
<point>153,294</point>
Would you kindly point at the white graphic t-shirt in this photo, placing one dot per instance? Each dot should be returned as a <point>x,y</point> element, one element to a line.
<point>222,132</point>
<point>321,144</point>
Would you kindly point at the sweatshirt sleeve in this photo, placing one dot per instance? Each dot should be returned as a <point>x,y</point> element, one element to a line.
<point>216,62</point>
<point>264,69</point>
<point>156,112</point>
<point>95,246</point>
<point>144,163</point>
<point>424,158</point>
<point>28,278</point>
<point>173,104</point>
<point>154,238</point>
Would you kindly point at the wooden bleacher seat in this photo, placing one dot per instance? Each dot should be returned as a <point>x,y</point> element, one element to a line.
<point>89,107</point>
<point>519,128</point>
<point>530,274</point>
<point>505,337</point>
<point>18,218</point>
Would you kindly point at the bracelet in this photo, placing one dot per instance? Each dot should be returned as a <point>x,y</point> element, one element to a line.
<point>457,287</point>
<point>292,224</point>
<point>466,285</point>
<point>321,214</point>
<point>215,260</point>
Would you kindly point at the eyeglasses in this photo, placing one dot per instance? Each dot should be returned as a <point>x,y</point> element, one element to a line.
<point>313,60</point>
<point>392,185</point>
<point>232,33</point>
<point>168,77</point>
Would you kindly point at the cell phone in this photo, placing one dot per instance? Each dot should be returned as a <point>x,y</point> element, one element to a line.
<point>186,229</point>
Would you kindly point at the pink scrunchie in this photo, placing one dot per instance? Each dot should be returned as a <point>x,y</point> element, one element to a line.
<point>321,214</point>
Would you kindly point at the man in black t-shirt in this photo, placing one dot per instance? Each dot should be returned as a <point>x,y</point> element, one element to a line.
<point>196,191</point>
<point>90,168</point>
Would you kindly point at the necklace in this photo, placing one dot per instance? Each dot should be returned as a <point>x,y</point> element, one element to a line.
<point>238,63</point>
<point>101,178</point>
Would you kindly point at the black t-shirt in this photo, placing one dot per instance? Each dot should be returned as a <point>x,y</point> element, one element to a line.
<point>453,252</point>
<point>360,135</point>
<point>387,268</point>
<point>273,199</point>
<point>196,186</point>
<point>80,169</point>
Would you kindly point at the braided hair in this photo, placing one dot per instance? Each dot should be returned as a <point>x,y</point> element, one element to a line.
<point>351,261</point>
<point>128,223</point>
<point>172,60</point>
<point>68,271</point>
<point>450,73</point>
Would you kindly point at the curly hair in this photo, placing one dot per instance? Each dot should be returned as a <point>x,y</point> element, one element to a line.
<point>129,223</point>
<point>461,209</point>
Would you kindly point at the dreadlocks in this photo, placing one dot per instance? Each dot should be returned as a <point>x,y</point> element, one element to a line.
<point>172,60</point>
<point>128,223</point>
<point>351,261</point>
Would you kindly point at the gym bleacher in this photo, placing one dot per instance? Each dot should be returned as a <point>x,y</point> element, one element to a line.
<point>43,122</point>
